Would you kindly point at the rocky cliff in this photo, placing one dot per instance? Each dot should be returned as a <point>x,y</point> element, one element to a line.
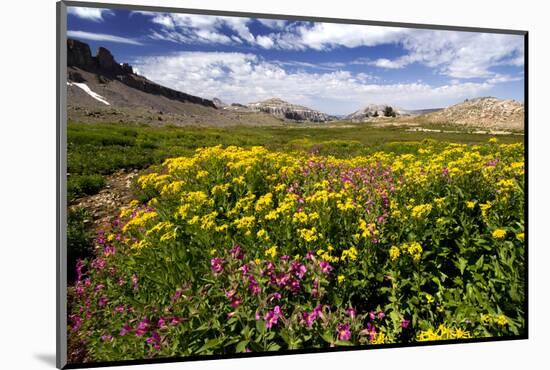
<point>285,110</point>
<point>104,65</point>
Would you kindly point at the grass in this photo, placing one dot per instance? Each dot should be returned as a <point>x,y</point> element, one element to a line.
<point>96,150</point>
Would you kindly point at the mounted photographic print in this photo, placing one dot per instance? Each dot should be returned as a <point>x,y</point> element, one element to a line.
<point>236,185</point>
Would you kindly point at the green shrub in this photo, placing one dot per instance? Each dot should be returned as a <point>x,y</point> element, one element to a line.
<point>81,185</point>
<point>79,239</point>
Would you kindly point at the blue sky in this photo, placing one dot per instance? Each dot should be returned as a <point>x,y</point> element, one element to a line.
<point>335,68</point>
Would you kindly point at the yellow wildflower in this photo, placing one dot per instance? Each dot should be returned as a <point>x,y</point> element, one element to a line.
<point>349,254</point>
<point>499,234</point>
<point>429,298</point>
<point>394,253</point>
<point>238,180</point>
<point>272,215</point>
<point>309,235</point>
<point>379,338</point>
<point>421,210</point>
<point>264,202</point>
<point>222,189</point>
<point>271,252</point>
<point>501,320</point>
<point>201,174</point>
<point>415,250</point>
<point>245,222</point>
<point>262,234</point>
<point>299,217</point>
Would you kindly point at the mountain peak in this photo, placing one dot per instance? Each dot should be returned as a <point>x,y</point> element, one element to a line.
<point>79,55</point>
<point>273,100</point>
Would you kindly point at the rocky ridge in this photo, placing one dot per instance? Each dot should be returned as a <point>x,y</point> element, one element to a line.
<point>104,65</point>
<point>485,112</point>
<point>374,111</point>
<point>288,111</point>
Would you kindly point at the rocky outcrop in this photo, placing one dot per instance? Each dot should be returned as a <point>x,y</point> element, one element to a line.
<point>484,112</point>
<point>109,65</point>
<point>79,55</point>
<point>219,103</point>
<point>374,111</point>
<point>106,68</point>
<point>284,110</point>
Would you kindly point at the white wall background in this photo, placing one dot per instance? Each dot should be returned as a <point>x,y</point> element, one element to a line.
<point>27,182</point>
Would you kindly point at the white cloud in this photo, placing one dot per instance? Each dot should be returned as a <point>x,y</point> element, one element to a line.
<point>265,41</point>
<point>239,25</point>
<point>323,36</point>
<point>192,28</point>
<point>164,20</point>
<point>276,24</point>
<point>243,78</point>
<point>214,37</point>
<point>389,64</point>
<point>498,78</point>
<point>92,14</point>
<point>327,66</point>
<point>455,54</point>
<point>101,37</point>
<point>452,53</point>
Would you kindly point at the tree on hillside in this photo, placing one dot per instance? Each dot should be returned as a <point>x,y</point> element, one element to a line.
<point>375,114</point>
<point>389,112</point>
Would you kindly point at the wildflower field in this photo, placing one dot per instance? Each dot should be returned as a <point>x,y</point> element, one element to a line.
<point>231,249</point>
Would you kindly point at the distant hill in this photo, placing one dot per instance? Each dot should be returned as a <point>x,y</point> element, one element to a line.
<point>285,110</point>
<point>372,112</point>
<point>484,112</point>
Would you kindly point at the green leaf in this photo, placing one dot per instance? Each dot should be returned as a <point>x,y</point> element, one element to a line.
<point>343,343</point>
<point>211,344</point>
<point>284,334</point>
<point>479,263</point>
<point>327,336</point>
<point>241,346</point>
<point>273,347</point>
<point>260,326</point>
<point>461,264</point>
<point>394,316</point>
